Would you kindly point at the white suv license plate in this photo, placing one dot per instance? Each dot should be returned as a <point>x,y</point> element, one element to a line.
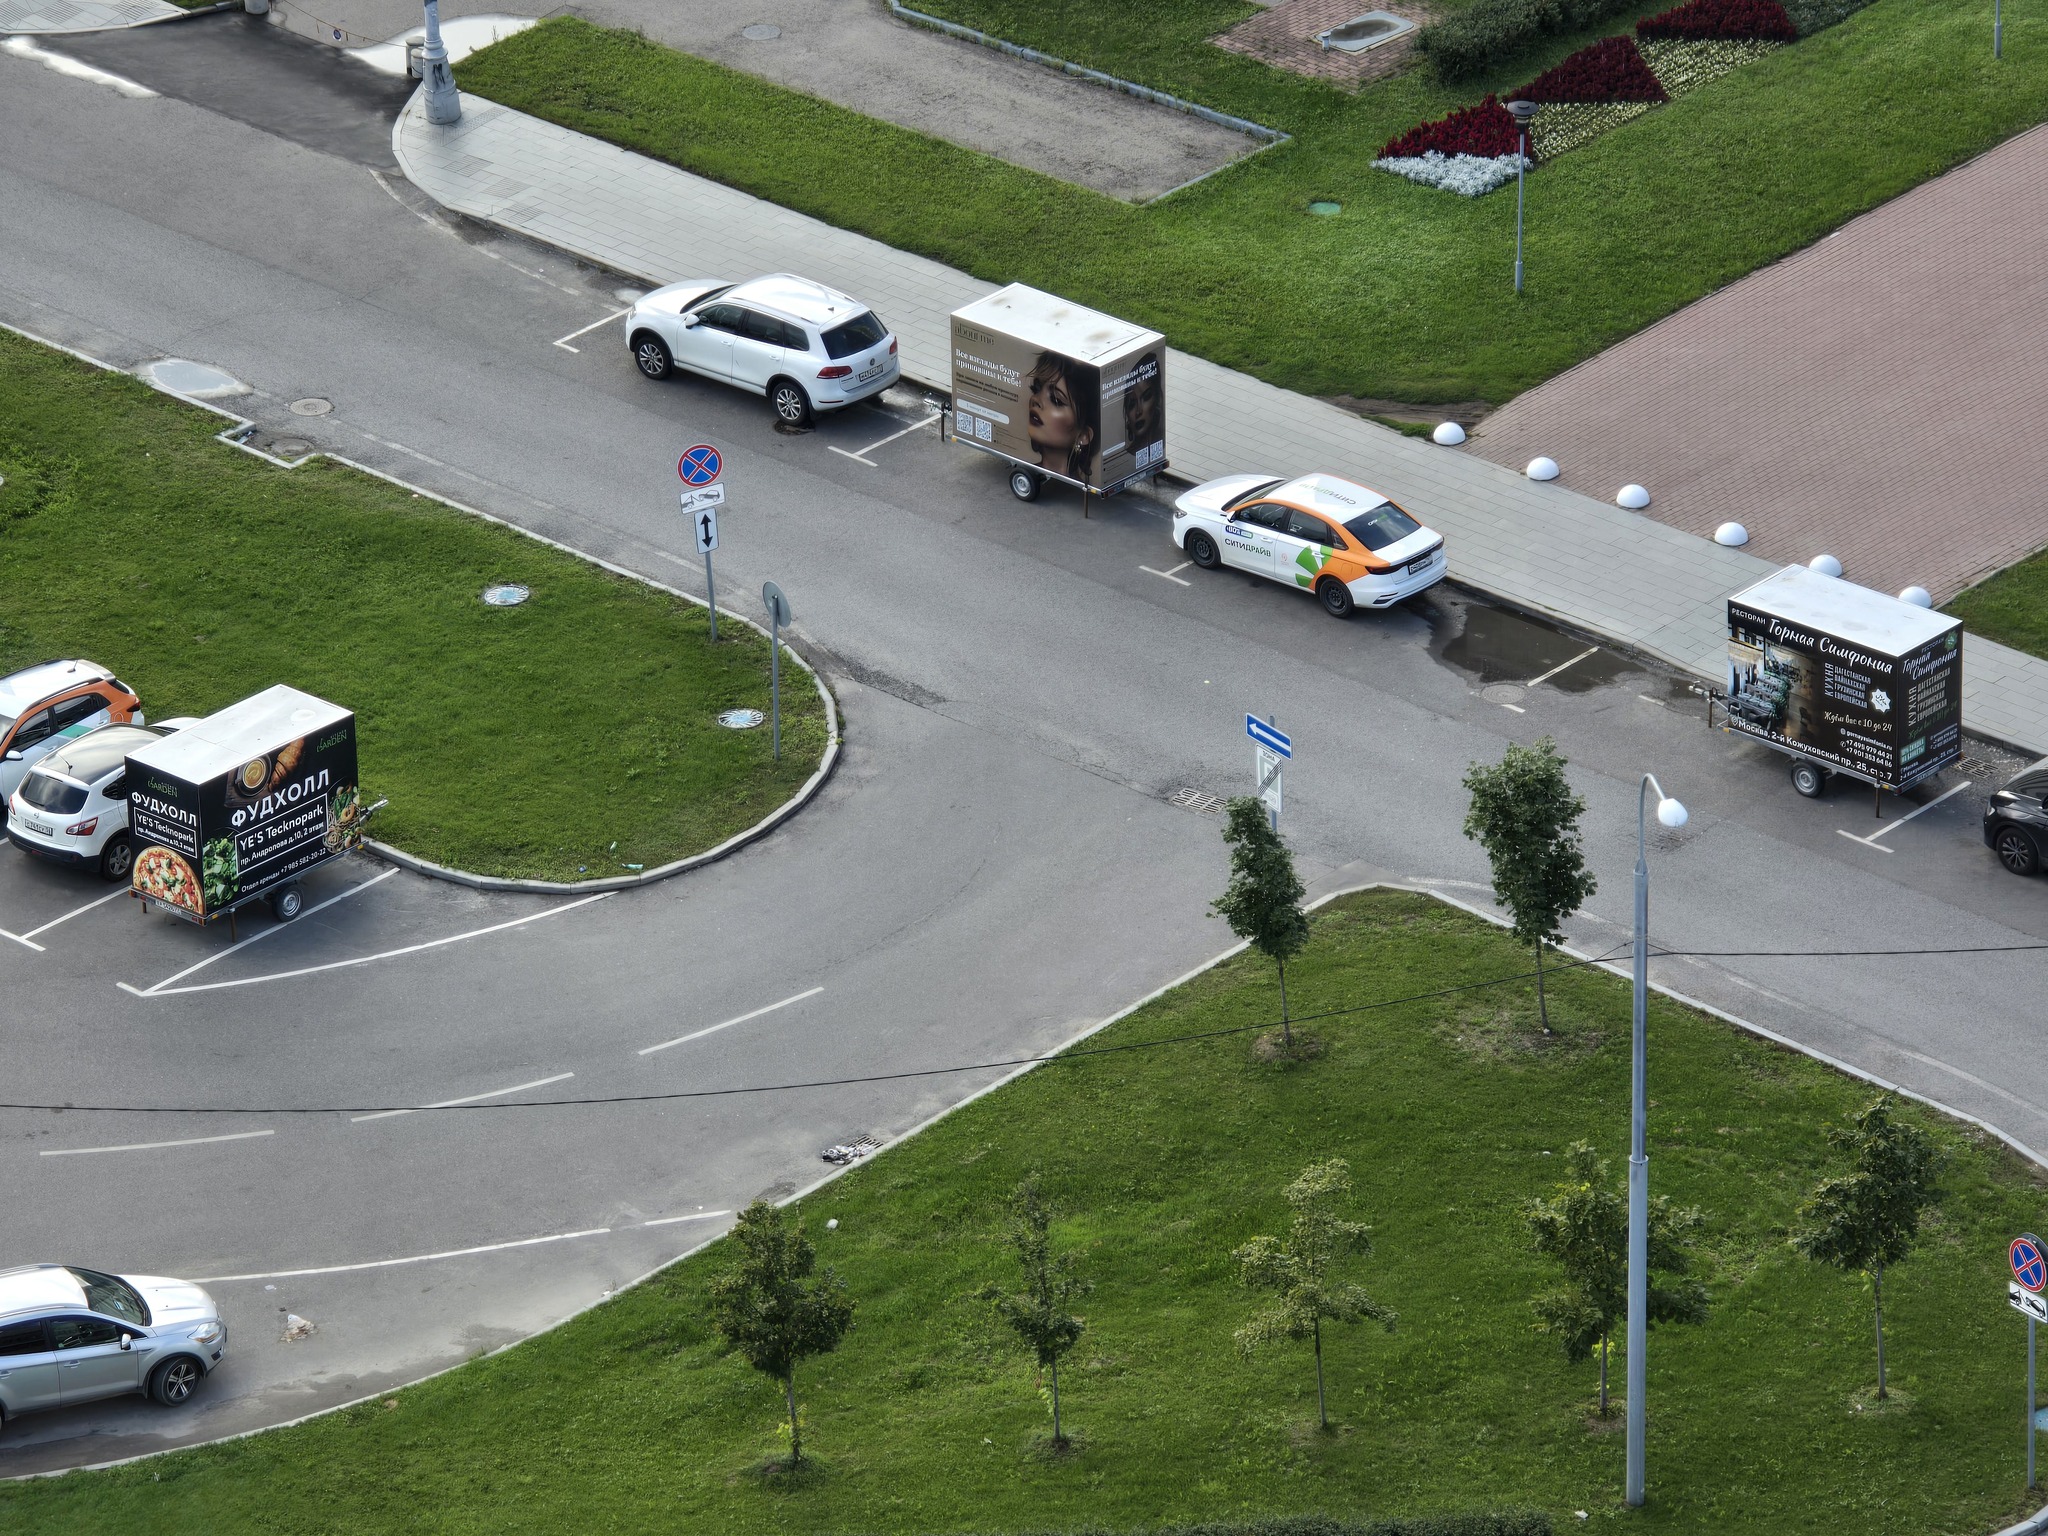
<point>37,826</point>
<point>873,370</point>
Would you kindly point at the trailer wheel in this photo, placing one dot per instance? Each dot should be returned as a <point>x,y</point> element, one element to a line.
<point>288,903</point>
<point>1810,779</point>
<point>2016,851</point>
<point>1024,485</point>
<point>1201,549</point>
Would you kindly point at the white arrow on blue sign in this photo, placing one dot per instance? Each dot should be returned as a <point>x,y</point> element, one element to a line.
<point>1268,737</point>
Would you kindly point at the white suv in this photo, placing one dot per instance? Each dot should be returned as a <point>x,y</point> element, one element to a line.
<point>70,1335</point>
<point>803,345</point>
<point>72,806</point>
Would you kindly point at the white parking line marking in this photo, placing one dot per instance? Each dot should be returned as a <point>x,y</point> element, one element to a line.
<point>154,1146</point>
<point>1546,677</point>
<point>474,1098</point>
<point>564,342</point>
<point>871,447</point>
<point>728,1024</point>
<point>416,1258</point>
<point>254,938</point>
<point>1516,708</point>
<point>4,934</point>
<point>1892,826</point>
<point>164,989</point>
<point>1169,575</point>
<point>669,1221</point>
<point>80,911</point>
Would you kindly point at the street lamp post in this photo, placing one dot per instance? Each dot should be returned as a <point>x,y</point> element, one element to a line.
<point>1522,111</point>
<point>1671,814</point>
<point>1998,52</point>
<point>444,102</point>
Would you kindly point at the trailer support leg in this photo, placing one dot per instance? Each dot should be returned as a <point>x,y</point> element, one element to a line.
<point>1877,801</point>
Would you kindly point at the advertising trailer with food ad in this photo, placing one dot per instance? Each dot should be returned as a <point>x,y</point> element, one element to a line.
<point>1060,388</point>
<point>1852,678</point>
<point>243,802</point>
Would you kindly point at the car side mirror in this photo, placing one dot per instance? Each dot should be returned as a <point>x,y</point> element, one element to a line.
<point>14,756</point>
<point>127,1341</point>
<point>690,322</point>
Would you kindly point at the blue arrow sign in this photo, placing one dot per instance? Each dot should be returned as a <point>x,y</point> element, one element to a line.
<point>699,465</point>
<point>1268,737</point>
<point>2029,1265</point>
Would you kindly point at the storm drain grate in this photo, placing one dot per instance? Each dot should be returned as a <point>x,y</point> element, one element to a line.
<point>853,1149</point>
<point>1191,799</point>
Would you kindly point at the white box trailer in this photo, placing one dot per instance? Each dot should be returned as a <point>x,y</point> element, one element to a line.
<point>1061,391</point>
<point>1845,679</point>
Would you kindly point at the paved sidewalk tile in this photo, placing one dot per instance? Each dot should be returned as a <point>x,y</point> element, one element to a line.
<point>80,15</point>
<point>1543,548</point>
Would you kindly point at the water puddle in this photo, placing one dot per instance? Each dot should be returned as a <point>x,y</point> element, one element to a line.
<point>1494,646</point>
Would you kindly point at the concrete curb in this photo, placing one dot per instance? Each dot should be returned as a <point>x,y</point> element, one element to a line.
<point>834,737</point>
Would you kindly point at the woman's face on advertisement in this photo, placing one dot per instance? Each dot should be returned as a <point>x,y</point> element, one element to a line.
<point>1141,410</point>
<point>1054,423</point>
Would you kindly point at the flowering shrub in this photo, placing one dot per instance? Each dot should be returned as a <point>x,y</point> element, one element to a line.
<point>1466,175</point>
<point>1486,131</point>
<point>1682,66</point>
<point>1699,20</point>
<point>1564,125</point>
<point>1609,70</point>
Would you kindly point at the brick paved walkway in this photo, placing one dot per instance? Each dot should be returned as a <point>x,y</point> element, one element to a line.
<point>1285,37</point>
<point>1881,396</point>
<point>80,15</point>
<point>1544,548</point>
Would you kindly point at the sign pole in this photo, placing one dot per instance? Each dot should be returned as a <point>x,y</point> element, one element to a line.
<point>2028,1293</point>
<point>1272,814</point>
<point>778,615</point>
<point>2031,1327</point>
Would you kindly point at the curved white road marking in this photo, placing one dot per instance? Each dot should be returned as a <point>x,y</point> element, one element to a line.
<point>256,938</point>
<point>449,1253</point>
<point>152,1146</point>
<point>474,1098</point>
<point>728,1024</point>
<point>165,989</point>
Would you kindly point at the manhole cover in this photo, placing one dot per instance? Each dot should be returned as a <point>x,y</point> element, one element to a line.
<point>760,32</point>
<point>291,448</point>
<point>1325,210</point>
<point>741,719</point>
<point>200,381</point>
<point>506,595</point>
<point>1502,693</point>
<point>312,406</point>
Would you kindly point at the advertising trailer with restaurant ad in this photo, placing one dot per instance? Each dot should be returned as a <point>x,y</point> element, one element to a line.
<point>243,802</point>
<point>1068,391</point>
<point>1862,682</point>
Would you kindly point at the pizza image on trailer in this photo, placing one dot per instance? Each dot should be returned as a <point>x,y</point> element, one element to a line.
<point>164,875</point>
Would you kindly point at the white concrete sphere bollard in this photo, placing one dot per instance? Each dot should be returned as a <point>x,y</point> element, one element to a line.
<point>1919,597</point>
<point>1541,469</point>
<point>1634,497</point>
<point>1827,565</point>
<point>1734,535</point>
<point>1449,434</point>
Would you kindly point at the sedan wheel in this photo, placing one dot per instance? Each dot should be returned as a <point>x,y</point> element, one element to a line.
<point>1202,550</point>
<point>2016,851</point>
<point>175,1381</point>
<point>1336,597</point>
<point>117,858</point>
<point>792,405</point>
<point>650,355</point>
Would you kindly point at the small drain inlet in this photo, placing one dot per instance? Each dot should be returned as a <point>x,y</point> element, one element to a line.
<point>1367,31</point>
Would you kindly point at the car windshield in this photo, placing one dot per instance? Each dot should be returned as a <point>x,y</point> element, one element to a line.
<point>1381,525</point>
<point>111,1296</point>
<point>1251,495</point>
<point>47,792</point>
<point>857,335</point>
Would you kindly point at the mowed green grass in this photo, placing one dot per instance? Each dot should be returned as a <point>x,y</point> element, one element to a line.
<point>510,741</point>
<point>2011,607</point>
<point>1406,295</point>
<point>1452,1112</point>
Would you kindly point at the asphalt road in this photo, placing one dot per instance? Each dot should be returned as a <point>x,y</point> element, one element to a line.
<point>998,864</point>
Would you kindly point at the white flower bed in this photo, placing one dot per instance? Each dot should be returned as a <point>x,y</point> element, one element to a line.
<point>1466,175</point>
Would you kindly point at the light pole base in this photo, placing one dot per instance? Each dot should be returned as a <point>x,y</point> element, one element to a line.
<point>444,102</point>
<point>1518,277</point>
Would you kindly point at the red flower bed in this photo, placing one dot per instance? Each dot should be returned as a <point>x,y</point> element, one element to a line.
<point>1699,20</point>
<point>1487,129</point>
<point>1609,70</point>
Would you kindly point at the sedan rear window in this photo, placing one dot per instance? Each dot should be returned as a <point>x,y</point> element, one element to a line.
<point>111,1296</point>
<point>1381,526</point>
<point>47,792</point>
<point>857,335</point>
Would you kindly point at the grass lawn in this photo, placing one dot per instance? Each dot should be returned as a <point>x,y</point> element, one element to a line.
<point>1406,294</point>
<point>2011,607</point>
<point>1452,1112</point>
<point>510,741</point>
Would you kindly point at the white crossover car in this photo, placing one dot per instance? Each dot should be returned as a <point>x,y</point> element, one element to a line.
<point>71,1335</point>
<point>1350,546</point>
<point>803,345</point>
<point>72,806</point>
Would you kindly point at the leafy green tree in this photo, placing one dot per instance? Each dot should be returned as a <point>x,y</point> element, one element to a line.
<point>1299,1271</point>
<point>1584,1226</point>
<point>772,1308</point>
<point>1868,1219</point>
<point>1039,1311</point>
<point>1524,814</point>
<point>1262,903</point>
